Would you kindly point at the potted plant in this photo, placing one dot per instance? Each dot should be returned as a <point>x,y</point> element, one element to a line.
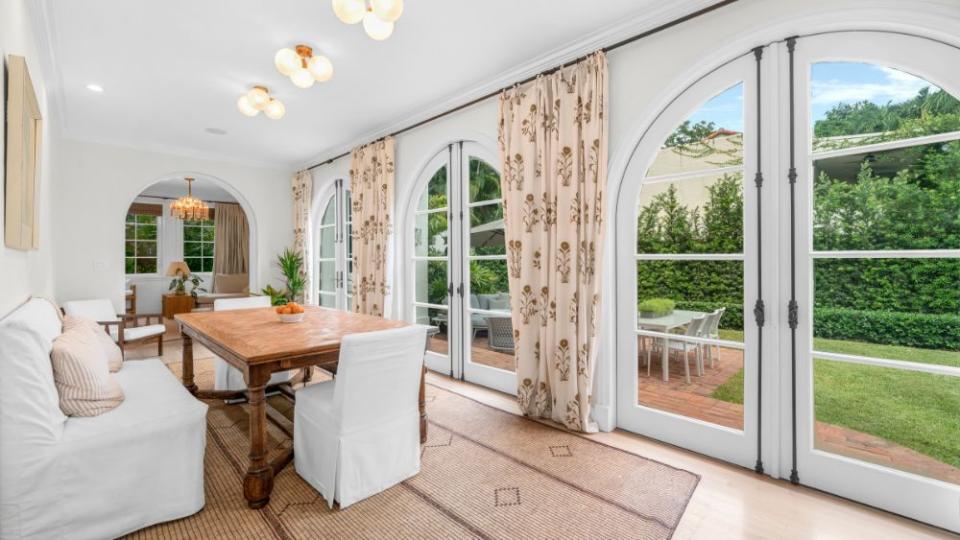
<point>179,284</point>
<point>655,307</point>
<point>291,266</point>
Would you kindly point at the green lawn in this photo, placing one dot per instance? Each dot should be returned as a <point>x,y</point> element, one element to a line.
<point>916,410</point>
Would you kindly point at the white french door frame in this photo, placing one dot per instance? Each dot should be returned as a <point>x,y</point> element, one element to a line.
<point>922,498</point>
<point>340,259</point>
<point>736,446</point>
<point>458,362</point>
<point>491,377</point>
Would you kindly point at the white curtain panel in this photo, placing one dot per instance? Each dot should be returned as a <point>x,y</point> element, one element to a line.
<point>371,189</point>
<point>553,148</point>
<point>302,195</point>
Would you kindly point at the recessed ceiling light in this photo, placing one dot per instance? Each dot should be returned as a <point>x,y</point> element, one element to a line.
<point>95,88</point>
<point>216,131</point>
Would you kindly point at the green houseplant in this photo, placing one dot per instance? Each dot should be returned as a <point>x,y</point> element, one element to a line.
<point>179,284</point>
<point>291,266</point>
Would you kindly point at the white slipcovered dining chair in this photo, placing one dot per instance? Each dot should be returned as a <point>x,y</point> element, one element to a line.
<point>360,434</point>
<point>227,377</point>
<point>124,330</point>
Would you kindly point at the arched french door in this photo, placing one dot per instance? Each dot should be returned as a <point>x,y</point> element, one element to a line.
<point>458,270</point>
<point>334,263</point>
<point>877,255</point>
<point>836,264</point>
<point>686,256</point>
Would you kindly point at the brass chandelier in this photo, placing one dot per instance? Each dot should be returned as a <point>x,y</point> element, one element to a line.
<point>188,207</point>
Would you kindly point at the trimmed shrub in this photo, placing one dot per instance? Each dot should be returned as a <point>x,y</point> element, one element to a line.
<point>926,331</point>
<point>659,306</point>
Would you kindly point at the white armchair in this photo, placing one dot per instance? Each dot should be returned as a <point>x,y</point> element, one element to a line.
<point>124,330</point>
<point>360,434</point>
<point>227,377</point>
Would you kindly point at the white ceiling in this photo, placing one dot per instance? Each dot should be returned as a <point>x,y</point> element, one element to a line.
<point>172,69</point>
<point>175,188</point>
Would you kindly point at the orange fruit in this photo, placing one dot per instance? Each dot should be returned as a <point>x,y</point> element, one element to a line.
<point>278,309</point>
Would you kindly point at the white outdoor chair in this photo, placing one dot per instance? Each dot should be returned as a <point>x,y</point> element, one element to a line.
<point>227,377</point>
<point>693,330</point>
<point>123,329</point>
<point>711,329</point>
<point>360,434</point>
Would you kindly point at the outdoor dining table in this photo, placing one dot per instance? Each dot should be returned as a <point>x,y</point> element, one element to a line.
<point>680,318</point>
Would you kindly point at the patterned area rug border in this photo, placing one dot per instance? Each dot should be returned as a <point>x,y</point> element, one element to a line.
<point>539,470</point>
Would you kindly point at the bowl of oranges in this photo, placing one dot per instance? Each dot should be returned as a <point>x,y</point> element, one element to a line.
<point>290,313</point>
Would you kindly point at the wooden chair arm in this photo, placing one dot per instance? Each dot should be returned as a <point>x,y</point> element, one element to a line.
<point>135,318</point>
<point>121,325</point>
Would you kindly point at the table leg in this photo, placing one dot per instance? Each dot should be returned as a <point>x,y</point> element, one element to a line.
<point>423,404</point>
<point>187,366</point>
<point>258,482</point>
<point>665,360</point>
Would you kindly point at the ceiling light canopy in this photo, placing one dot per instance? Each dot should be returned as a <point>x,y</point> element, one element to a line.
<point>259,99</point>
<point>302,66</point>
<point>378,16</point>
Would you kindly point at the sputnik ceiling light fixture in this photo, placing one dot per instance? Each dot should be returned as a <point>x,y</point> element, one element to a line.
<point>378,16</point>
<point>259,99</point>
<point>302,66</point>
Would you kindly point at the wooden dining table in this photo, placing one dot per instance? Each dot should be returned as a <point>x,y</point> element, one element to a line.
<point>256,343</point>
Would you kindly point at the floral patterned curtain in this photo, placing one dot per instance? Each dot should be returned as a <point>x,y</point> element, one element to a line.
<point>371,189</point>
<point>302,194</point>
<point>553,148</point>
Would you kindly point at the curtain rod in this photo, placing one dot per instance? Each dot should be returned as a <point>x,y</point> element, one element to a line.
<point>617,45</point>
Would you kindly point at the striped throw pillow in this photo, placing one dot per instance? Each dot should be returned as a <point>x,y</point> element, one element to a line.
<point>110,348</point>
<point>82,375</point>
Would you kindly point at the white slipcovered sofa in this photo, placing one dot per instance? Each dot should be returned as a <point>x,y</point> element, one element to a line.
<point>98,477</point>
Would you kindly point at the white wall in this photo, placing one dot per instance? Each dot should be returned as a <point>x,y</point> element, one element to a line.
<point>95,185</point>
<point>644,77</point>
<point>25,273</point>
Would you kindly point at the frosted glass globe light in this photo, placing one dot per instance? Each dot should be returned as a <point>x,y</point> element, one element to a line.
<point>245,107</point>
<point>287,61</point>
<point>387,10</point>
<point>349,11</point>
<point>258,97</point>
<point>321,68</point>
<point>376,27</point>
<point>302,78</point>
<point>275,109</point>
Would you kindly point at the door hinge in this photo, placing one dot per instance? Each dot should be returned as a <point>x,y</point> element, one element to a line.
<point>339,279</point>
<point>450,289</point>
<point>460,290</point>
<point>793,315</point>
<point>758,312</point>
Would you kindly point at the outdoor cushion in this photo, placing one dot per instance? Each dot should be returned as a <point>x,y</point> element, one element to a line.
<point>499,304</point>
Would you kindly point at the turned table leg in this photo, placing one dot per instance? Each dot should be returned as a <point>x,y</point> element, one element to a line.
<point>258,482</point>
<point>188,365</point>
<point>423,405</point>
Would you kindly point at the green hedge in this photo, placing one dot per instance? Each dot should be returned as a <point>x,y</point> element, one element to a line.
<point>732,318</point>
<point>921,330</point>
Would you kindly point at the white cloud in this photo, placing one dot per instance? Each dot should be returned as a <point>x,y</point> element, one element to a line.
<point>898,86</point>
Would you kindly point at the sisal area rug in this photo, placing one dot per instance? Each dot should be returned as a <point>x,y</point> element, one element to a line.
<point>485,473</point>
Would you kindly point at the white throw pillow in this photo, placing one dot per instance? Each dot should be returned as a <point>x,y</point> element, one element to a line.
<point>82,375</point>
<point>111,350</point>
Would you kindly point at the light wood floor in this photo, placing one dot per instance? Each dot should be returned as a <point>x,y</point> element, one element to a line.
<point>730,502</point>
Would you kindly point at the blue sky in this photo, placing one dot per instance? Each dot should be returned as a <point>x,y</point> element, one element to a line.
<point>831,83</point>
<point>851,82</point>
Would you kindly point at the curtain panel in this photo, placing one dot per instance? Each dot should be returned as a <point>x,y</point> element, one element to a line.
<point>231,248</point>
<point>302,196</point>
<point>553,149</point>
<point>371,189</point>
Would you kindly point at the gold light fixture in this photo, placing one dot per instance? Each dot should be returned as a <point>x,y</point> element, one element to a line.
<point>302,66</point>
<point>378,16</point>
<point>188,207</point>
<point>259,99</point>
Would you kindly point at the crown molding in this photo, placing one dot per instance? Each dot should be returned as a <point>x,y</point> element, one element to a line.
<point>182,152</point>
<point>657,16</point>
